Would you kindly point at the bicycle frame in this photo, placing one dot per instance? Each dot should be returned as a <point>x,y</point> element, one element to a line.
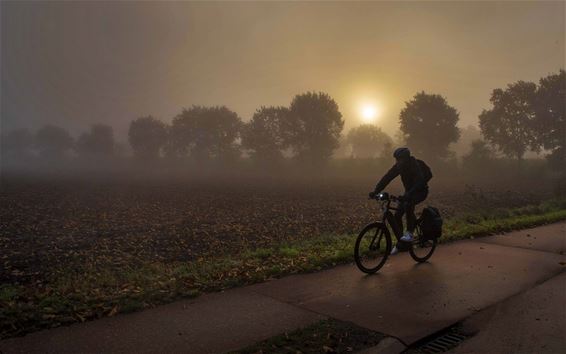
<point>388,217</point>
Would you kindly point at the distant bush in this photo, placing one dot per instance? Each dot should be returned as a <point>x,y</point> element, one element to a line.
<point>368,141</point>
<point>53,142</point>
<point>147,137</point>
<point>97,143</point>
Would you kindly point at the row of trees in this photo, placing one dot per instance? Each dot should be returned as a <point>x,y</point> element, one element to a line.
<point>53,142</point>
<point>309,129</point>
<point>525,116</point>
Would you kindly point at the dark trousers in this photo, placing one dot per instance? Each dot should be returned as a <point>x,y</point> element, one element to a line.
<point>408,207</point>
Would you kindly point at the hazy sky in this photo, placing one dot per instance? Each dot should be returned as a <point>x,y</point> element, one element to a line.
<point>75,64</point>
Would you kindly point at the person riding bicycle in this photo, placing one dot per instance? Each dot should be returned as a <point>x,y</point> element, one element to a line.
<point>415,175</point>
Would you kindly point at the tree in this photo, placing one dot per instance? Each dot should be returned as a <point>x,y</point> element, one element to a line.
<point>315,124</point>
<point>16,144</point>
<point>53,142</point>
<point>509,124</point>
<point>550,121</point>
<point>205,133</point>
<point>266,136</point>
<point>428,124</point>
<point>368,141</point>
<point>97,143</point>
<point>147,136</point>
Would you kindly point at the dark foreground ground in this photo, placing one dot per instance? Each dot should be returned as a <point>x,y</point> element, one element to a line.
<point>506,292</point>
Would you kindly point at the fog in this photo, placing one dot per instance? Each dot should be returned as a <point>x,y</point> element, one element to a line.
<point>77,64</point>
<point>220,88</point>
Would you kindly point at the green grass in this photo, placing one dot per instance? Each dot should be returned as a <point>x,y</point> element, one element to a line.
<point>483,225</point>
<point>76,295</point>
<point>8,292</point>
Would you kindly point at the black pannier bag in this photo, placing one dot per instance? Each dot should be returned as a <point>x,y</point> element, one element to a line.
<point>431,223</point>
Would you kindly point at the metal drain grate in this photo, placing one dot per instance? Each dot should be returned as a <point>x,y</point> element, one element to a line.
<point>442,344</point>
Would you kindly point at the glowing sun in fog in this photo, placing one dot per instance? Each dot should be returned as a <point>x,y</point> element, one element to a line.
<point>369,112</point>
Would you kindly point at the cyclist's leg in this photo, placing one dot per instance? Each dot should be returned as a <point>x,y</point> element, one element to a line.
<point>411,217</point>
<point>399,220</point>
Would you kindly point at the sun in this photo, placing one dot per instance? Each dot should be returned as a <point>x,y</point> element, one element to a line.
<point>369,112</point>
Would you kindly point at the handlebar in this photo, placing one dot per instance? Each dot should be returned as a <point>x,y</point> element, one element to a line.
<point>387,197</point>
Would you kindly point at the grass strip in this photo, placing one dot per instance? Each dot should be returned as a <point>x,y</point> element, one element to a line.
<point>96,291</point>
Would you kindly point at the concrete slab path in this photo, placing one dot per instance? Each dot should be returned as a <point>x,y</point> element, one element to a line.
<point>548,238</point>
<point>531,322</point>
<point>213,323</point>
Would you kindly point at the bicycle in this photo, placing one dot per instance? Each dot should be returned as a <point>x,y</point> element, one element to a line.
<point>369,252</point>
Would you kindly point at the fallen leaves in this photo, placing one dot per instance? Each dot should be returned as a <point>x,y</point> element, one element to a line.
<point>113,312</point>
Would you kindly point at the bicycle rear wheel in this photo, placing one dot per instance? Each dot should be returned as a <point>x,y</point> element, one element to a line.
<point>373,245</point>
<point>421,248</point>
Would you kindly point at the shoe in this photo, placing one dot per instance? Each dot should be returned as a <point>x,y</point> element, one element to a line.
<point>394,251</point>
<point>407,237</point>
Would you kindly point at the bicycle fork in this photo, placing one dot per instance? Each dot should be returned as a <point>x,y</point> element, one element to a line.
<point>372,243</point>
<point>390,218</point>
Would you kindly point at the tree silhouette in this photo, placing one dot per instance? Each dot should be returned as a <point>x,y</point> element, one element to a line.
<point>53,142</point>
<point>550,119</point>
<point>509,124</point>
<point>368,141</point>
<point>267,134</point>
<point>97,143</point>
<point>147,136</point>
<point>16,144</point>
<point>205,133</point>
<point>315,124</point>
<point>428,124</point>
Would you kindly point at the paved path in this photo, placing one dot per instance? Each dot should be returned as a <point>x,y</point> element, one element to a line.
<point>531,322</point>
<point>405,300</point>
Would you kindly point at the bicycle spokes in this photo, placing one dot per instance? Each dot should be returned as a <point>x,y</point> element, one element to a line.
<point>374,246</point>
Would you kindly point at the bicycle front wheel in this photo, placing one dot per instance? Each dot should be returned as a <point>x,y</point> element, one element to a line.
<point>373,245</point>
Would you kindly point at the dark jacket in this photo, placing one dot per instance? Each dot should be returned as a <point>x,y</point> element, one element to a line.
<point>415,175</point>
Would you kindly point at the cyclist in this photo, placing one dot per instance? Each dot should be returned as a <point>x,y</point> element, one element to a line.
<point>415,175</point>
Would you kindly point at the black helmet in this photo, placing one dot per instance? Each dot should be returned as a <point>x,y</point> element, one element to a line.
<point>402,153</point>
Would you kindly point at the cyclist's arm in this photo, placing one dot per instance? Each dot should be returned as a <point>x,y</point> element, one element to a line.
<point>392,173</point>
